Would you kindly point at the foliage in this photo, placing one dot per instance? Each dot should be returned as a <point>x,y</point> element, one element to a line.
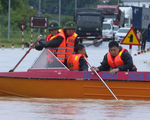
<point>15,4</point>
<point>18,13</point>
<point>1,7</point>
<point>64,18</point>
<point>67,6</point>
<point>113,2</point>
<point>24,9</point>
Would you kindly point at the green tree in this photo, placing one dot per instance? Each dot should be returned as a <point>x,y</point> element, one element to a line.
<point>67,6</point>
<point>113,2</point>
<point>1,7</point>
<point>18,13</point>
<point>15,4</point>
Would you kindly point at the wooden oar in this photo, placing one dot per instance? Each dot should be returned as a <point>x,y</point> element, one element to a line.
<point>12,70</point>
<point>102,81</point>
<point>96,43</point>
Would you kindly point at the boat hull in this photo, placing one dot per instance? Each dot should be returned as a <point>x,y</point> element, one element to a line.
<point>76,89</point>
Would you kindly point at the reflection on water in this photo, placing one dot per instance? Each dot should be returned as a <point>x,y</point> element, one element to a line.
<point>70,109</point>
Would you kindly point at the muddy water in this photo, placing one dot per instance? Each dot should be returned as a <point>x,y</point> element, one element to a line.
<point>18,108</point>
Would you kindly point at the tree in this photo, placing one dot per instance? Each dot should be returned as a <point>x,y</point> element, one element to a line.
<point>113,2</point>
<point>1,7</point>
<point>15,4</point>
<point>18,13</point>
<point>67,6</point>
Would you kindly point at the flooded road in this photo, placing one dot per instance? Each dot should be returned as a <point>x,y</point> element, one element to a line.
<point>17,108</point>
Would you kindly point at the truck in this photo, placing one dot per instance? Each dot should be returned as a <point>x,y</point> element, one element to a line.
<point>108,28</point>
<point>113,12</point>
<point>128,16</point>
<point>89,23</point>
<point>136,17</point>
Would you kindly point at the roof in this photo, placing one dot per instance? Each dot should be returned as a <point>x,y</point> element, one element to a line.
<point>135,0</point>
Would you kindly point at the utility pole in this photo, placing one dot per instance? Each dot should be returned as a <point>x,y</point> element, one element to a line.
<point>118,2</point>
<point>2,24</point>
<point>59,11</point>
<point>9,19</point>
<point>39,13</point>
<point>75,6</point>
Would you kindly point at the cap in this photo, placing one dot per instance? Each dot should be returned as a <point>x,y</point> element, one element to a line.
<point>53,25</point>
<point>69,25</point>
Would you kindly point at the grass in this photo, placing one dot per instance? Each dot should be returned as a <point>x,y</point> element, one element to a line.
<point>16,39</point>
<point>16,34</point>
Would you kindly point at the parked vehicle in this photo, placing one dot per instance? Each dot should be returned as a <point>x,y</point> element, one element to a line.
<point>108,28</point>
<point>136,17</point>
<point>115,29</point>
<point>89,22</point>
<point>128,16</point>
<point>121,33</point>
<point>113,12</point>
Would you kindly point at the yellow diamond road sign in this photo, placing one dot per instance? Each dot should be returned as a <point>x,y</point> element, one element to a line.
<point>131,38</point>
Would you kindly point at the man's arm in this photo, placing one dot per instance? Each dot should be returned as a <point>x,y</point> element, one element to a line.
<point>52,43</point>
<point>38,47</point>
<point>104,65</point>
<point>76,42</point>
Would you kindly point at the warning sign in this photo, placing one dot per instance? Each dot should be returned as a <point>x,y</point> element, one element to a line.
<point>131,38</point>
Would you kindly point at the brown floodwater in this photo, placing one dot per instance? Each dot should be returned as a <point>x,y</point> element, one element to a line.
<point>19,108</point>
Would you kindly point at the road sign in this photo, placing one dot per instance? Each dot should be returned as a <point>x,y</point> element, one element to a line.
<point>22,25</point>
<point>131,38</point>
<point>38,22</point>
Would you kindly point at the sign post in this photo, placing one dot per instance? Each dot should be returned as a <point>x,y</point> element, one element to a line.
<point>131,39</point>
<point>38,22</point>
<point>22,26</point>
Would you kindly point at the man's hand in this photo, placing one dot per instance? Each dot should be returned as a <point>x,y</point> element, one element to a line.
<point>93,68</point>
<point>39,37</point>
<point>113,71</point>
<point>32,46</point>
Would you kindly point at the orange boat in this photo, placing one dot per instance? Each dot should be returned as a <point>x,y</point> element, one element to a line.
<point>51,79</point>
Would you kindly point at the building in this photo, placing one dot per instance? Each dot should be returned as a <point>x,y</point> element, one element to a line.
<point>139,3</point>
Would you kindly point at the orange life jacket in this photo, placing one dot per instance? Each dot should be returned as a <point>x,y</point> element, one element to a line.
<point>73,62</point>
<point>70,42</point>
<point>59,52</point>
<point>48,37</point>
<point>117,61</point>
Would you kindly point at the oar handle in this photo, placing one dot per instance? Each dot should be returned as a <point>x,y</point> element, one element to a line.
<point>102,81</point>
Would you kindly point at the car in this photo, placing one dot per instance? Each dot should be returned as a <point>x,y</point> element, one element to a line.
<point>121,33</point>
<point>115,29</point>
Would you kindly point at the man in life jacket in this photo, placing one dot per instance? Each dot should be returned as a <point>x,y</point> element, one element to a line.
<point>71,38</point>
<point>117,59</point>
<point>77,62</point>
<point>55,40</point>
